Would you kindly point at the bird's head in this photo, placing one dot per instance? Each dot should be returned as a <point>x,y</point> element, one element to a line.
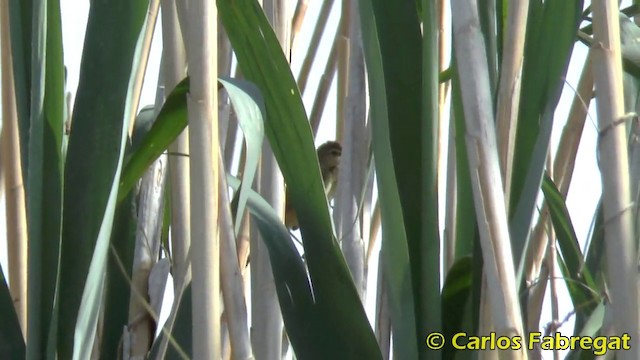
<point>329,155</point>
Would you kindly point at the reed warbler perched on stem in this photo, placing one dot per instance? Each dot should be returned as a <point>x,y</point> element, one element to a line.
<point>329,157</point>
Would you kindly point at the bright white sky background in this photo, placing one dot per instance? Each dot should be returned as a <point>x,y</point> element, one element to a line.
<point>585,187</point>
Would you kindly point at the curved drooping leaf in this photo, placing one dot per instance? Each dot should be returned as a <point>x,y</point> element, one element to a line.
<point>249,106</point>
<point>170,122</point>
<point>300,313</point>
<point>287,128</point>
<point>172,119</point>
<point>308,330</point>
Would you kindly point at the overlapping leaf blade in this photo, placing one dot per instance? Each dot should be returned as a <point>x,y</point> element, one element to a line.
<point>397,266</point>
<point>582,288</point>
<point>44,169</point>
<point>249,106</point>
<point>93,166</point>
<point>551,32</point>
<point>262,62</point>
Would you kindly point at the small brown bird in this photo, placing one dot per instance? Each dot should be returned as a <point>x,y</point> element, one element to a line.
<point>329,158</point>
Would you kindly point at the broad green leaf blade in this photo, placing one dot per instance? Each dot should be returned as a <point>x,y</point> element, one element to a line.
<point>12,345</point>
<point>396,266</point>
<point>582,288</point>
<point>93,166</point>
<point>249,106</point>
<point>409,69</point>
<point>287,128</point>
<point>44,183</point>
<point>21,28</point>
<point>120,259</point>
<point>170,122</point>
<point>53,167</point>
<point>292,285</point>
<point>550,37</point>
<point>428,307</point>
<point>410,73</point>
<point>172,119</point>
<point>521,220</point>
<point>118,278</point>
<point>302,317</point>
<point>93,292</point>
